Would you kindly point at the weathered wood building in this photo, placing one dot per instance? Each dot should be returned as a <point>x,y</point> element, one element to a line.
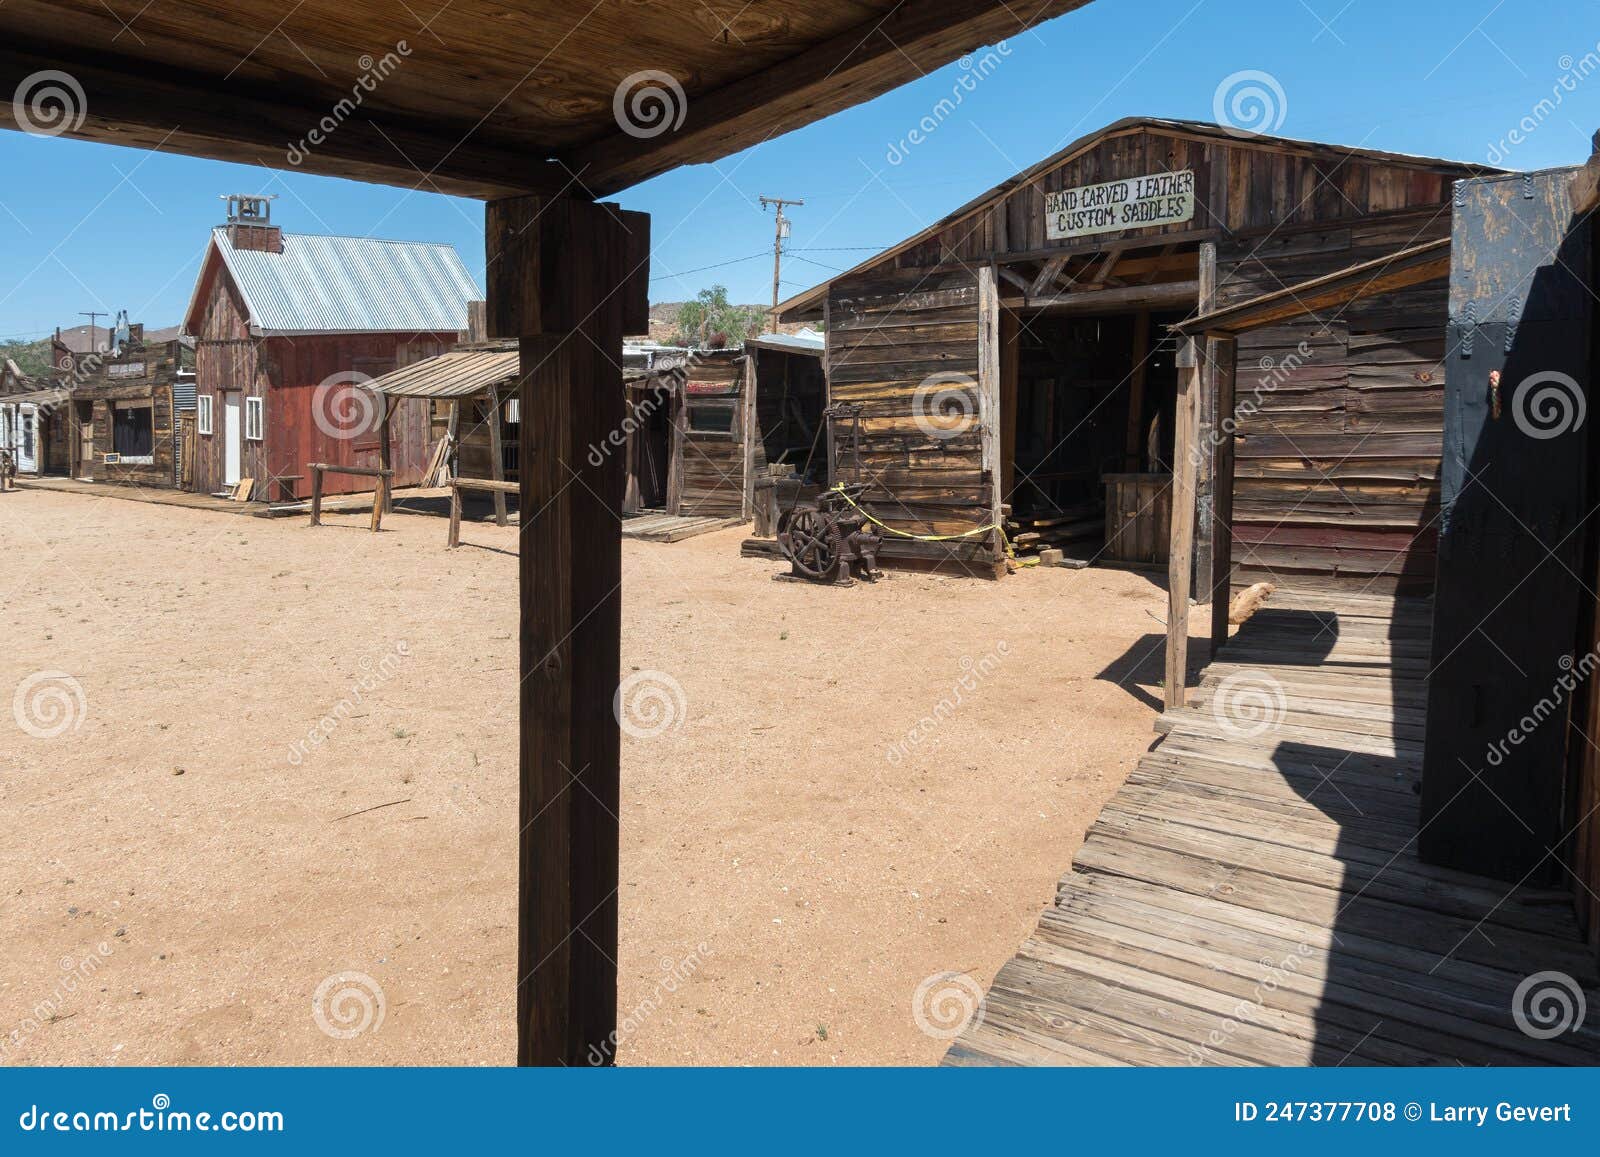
<point>288,327</point>
<point>709,427</point>
<point>121,420</point>
<point>1011,358</point>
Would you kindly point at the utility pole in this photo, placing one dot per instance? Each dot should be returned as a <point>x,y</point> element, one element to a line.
<point>780,230</point>
<point>91,314</point>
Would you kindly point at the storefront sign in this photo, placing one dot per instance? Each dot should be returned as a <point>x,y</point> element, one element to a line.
<point>1136,203</point>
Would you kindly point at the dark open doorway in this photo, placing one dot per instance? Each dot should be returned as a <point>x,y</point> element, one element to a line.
<point>1092,434</point>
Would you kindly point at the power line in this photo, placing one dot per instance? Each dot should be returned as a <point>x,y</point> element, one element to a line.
<point>703,268</point>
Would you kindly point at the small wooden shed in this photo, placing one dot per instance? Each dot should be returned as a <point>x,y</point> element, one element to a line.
<point>1013,360</point>
<point>709,428</point>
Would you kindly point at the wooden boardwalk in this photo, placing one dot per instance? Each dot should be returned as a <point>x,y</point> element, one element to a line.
<point>1251,895</point>
<point>654,526</point>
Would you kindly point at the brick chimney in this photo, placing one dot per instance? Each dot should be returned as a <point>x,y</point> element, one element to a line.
<point>250,223</point>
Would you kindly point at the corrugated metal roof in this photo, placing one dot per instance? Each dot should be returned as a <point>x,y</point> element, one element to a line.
<point>808,342</point>
<point>457,374</point>
<point>351,285</point>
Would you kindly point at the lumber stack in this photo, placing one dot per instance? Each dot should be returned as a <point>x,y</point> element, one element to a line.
<point>1071,529</point>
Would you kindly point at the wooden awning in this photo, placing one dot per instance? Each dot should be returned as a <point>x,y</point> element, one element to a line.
<point>1398,270</point>
<point>458,374</point>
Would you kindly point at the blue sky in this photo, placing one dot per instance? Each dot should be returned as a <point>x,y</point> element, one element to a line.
<point>86,226</point>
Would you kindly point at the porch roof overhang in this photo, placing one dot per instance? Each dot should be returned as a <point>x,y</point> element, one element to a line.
<point>52,396</point>
<point>461,373</point>
<point>485,98</point>
<point>1399,270</point>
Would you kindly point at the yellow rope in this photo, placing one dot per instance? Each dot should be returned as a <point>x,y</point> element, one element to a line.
<point>1010,553</point>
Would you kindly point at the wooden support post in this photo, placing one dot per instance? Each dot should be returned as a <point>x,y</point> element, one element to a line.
<point>750,432</point>
<point>497,458</point>
<point>384,463</point>
<point>453,436</point>
<point>1133,446</point>
<point>454,538</point>
<point>1010,372</point>
<point>1223,373</point>
<point>1205,416</point>
<point>566,277</point>
<point>1185,461</point>
<point>316,494</point>
<point>989,400</point>
<point>385,458</point>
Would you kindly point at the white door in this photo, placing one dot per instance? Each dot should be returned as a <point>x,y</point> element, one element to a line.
<point>27,439</point>
<point>232,436</point>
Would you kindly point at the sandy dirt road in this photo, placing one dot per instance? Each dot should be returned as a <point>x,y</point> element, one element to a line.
<point>191,860</point>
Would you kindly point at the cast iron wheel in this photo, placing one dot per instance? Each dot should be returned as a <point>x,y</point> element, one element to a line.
<point>803,536</point>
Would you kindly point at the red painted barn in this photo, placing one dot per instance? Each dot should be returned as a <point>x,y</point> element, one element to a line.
<point>287,326</point>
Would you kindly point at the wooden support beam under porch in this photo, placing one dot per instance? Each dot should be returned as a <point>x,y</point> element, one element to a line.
<point>567,278</point>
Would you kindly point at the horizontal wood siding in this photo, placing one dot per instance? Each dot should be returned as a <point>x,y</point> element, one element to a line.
<point>1341,416</point>
<point>894,343</point>
<point>1337,470</point>
<point>711,464</point>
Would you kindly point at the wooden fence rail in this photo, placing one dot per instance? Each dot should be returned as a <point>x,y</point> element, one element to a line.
<point>494,486</point>
<point>380,496</point>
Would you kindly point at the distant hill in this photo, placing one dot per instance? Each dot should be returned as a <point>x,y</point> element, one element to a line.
<point>664,320</point>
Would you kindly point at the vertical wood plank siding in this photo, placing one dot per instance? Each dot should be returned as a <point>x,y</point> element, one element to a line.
<point>286,371</point>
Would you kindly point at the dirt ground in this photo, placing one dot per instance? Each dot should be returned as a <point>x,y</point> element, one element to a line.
<point>828,796</point>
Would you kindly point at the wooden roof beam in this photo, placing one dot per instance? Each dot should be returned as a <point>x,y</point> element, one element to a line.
<point>1162,295</point>
<point>134,103</point>
<point>870,59</point>
<point>1399,270</point>
<point>1048,274</point>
